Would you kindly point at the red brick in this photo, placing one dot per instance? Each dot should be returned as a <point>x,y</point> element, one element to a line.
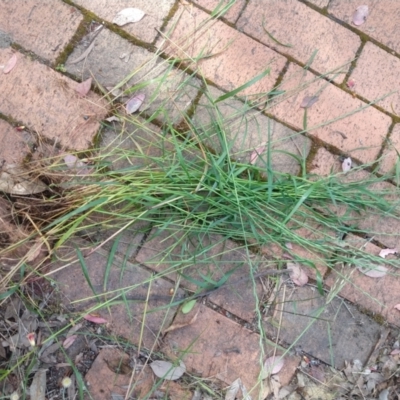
<point>306,30</point>
<point>169,252</point>
<point>231,14</point>
<point>381,23</point>
<point>124,318</point>
<point>390,156</point>
<point>47,103</point>
<point>156,12</point>
<point>13,144</point>
<point>42,26</point>
<point>376,75</point>
<point>246,130</point>
<point>377,295</point>
<point>214,346</point>
<point>359,135</point>
<point>225,56</point>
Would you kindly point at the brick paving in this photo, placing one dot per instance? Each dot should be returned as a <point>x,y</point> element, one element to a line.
<point>221,343</point>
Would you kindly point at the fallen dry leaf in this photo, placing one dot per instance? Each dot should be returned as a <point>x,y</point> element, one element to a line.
<point>134,103</point>
<point>10,64</point>
<point>297,275</point>
<point>308,101</point>
<point>179,326</point>
<point>38,387</point>
<point>351,83</point>
<point>272,366</point>
<point>397,307</point>
<point>128,15</point>
<point>95,319</point>
<point>69,340</point>
<point>256,153</point>
<point>360,15</point>
<point>385,252</point>
<point>377,272</point>
<point>16,180</point>
<point>395,351</point>
<point>166,370</point>
<point>83,88</point>
<point>346,164</point>
<point>233,390</point>
<point>113,118</point>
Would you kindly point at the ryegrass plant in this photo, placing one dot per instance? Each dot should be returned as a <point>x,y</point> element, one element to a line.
<point>187,177</point>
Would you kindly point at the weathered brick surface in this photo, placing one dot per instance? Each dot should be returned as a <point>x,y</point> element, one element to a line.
<point>104,383</point>
<point>359,135</point>
<point>377,295</point>
<point>114,60</point>
<point>42,26</point>
<point>390,155</point>
<point>124,319</point>
<point>292,22</point>
<point>381,227</point>
<point>222,54</point>
<point>145,29</point>
<point>14,144</point>
<point>321,326</point>
<point>168,252</point>
<point>376,75</point>
<point>217,6</point>
<point>247,130</point>
<point>214,346</point>
<point>47,103</point>
<point>381,23</point>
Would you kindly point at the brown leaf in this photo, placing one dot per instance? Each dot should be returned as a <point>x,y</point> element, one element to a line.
<point>10,64</point>
<point>385,252</point>
<point>69,340</point>
<point>308,101</point>
<point>83,88</point>
<point>128,15</point>
<point>95,319</point>
<point>377,272</point>
<point>179,326</point>
<point>134,103</point>
<point>360,15</point>
<point>38,387</point>
<point>297,275</point>
<point>272,366</point>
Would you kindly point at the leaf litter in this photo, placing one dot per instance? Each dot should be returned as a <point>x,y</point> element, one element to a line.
<point>297,274</point>
<point>128,15</point>
<point>308,101</point>
<point>360,15</point>
<point>134,103</point>
<point>167,370</point>
<point>10,64</point>
<point>83,88</point>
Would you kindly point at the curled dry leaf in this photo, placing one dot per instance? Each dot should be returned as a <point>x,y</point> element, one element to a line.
<point>69,340</point>
<point>397,307</point>
<point>297,275</point>
<point>233,390</point>
<point>95,319</point>
<point>272,366</point>
<point>394,352</point>
<point>360,15</point>
<point>351,83</point>
<point>385,252</point>
<point>10,64</point>
<point>256,153</point>
<point>173,327</point>
<point>166,370</point>
<point>128,15</point>
<point>83,88</point>
<point>16,180</point>
<point>308,101</point>
<point>134,103</point>
<point>377,272</point>
<point>112,119</point>
<point>346,164</point>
